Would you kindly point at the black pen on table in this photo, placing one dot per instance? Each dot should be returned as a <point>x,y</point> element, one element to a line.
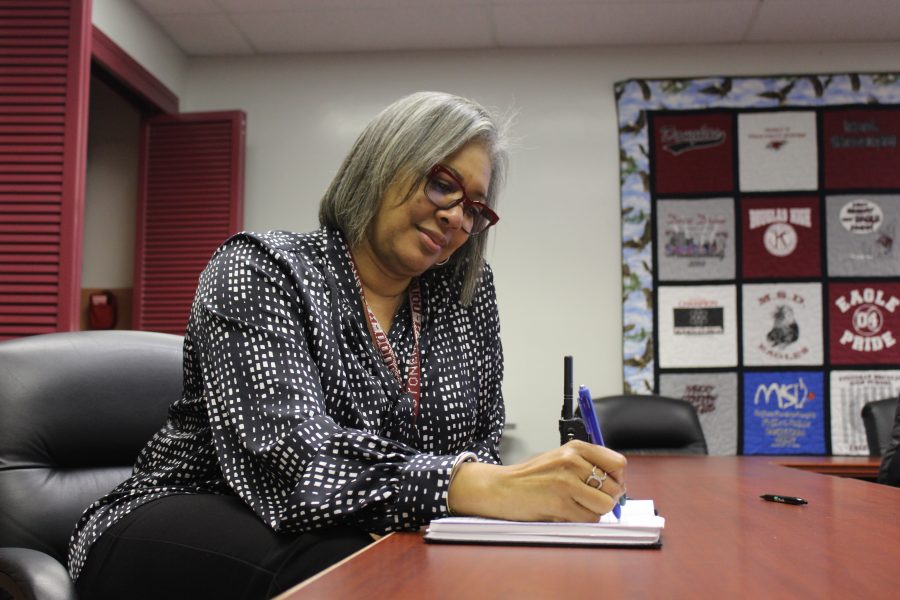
<point>784,499</point>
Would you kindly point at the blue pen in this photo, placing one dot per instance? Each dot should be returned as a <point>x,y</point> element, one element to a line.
<point>586,406</point>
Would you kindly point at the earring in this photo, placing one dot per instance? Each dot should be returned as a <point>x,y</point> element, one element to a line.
<point>443,262</point>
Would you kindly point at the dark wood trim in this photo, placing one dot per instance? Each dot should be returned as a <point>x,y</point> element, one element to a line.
<point>130,75</point>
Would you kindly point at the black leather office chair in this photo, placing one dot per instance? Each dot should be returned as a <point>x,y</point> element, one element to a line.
<point>75,410</point>
<point>650,424</point>
<point>889,472</point>
<point>878,418</point>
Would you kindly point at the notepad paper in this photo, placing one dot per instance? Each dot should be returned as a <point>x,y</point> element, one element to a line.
<point>639,526</point>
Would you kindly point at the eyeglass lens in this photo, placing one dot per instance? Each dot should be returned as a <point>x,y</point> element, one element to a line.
<point>446,193</point>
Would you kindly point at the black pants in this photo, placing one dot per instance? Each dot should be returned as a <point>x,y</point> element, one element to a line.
<point>205,546</point>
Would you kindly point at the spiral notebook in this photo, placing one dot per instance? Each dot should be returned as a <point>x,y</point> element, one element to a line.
<point>639,526</point>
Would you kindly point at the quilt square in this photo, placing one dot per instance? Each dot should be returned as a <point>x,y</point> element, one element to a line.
<point>780,237</point>
<point>697,326</point>
<point>784,412</point>
<point>862,231</point>
<point>803,281</point>
<point>693,153</point>
<point>849,391</point>
<point>862,147</point>
<point>695,239</point>
<point>782,324</point>
<point>715,397</point>
<point>864,323</point>
<point>777,151</point>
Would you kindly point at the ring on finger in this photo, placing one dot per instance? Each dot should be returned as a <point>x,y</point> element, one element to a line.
<point>594,477</point>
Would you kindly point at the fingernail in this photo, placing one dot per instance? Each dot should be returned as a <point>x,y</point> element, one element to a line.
<point>622,500</point>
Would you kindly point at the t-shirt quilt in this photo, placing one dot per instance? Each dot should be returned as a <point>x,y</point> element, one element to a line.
<point>761,269</point>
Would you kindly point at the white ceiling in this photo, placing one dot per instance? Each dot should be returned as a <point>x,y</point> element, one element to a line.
<point>244,27</point>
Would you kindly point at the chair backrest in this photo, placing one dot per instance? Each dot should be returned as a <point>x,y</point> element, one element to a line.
<point>889,472</point>
<point>878,419</point>
<point>650,424</point>
<point>75,410</point>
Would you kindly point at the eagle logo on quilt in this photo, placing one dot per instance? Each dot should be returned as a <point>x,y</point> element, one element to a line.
<point>782,341</point>
<point>785,330</point>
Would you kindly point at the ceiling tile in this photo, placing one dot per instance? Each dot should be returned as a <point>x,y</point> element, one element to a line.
<point>259,6</point>
<point>178,7</point>
<point>371,25</point>
<point>219,35</point>
<point>658,22</point>
<point>611,2</point>
<point>268,5</point>
<point>400,28</point>
<point>827,21</point>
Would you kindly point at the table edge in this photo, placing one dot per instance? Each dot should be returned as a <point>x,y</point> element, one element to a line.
<point>292,590</point>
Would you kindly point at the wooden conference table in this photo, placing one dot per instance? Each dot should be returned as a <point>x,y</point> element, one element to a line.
<point>720,541</point>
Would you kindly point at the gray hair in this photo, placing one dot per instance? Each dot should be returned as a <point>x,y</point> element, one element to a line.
<point>409,137</point>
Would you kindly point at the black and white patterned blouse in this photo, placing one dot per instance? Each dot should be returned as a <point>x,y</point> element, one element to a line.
<point>288,404</point>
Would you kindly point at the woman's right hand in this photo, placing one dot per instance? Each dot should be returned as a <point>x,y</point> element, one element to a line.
<point>549,487</point>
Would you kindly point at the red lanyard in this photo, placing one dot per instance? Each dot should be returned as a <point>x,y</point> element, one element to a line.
<point>379,336</point>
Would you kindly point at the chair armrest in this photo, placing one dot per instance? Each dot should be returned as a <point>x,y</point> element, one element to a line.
<point>32,575</point>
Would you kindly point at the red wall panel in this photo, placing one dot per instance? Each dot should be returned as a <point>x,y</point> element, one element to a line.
<point>191,199</point>
<point>44,75</point>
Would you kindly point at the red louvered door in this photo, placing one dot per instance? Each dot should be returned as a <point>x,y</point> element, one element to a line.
<point>44,78</point>
<point>190,200</point>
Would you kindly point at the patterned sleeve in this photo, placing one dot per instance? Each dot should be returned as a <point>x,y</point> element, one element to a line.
<point>277,446</point>
<point>491,415</point>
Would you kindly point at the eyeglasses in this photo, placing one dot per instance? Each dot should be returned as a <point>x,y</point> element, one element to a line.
<point>445,191</point>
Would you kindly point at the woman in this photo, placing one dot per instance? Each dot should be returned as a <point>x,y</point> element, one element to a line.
<point>339,383</point>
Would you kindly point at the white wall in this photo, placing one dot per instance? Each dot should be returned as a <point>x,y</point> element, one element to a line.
<point>113,134</point>
<point>556,252</point>
<point>110,200</point>
<point>129,27</point>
